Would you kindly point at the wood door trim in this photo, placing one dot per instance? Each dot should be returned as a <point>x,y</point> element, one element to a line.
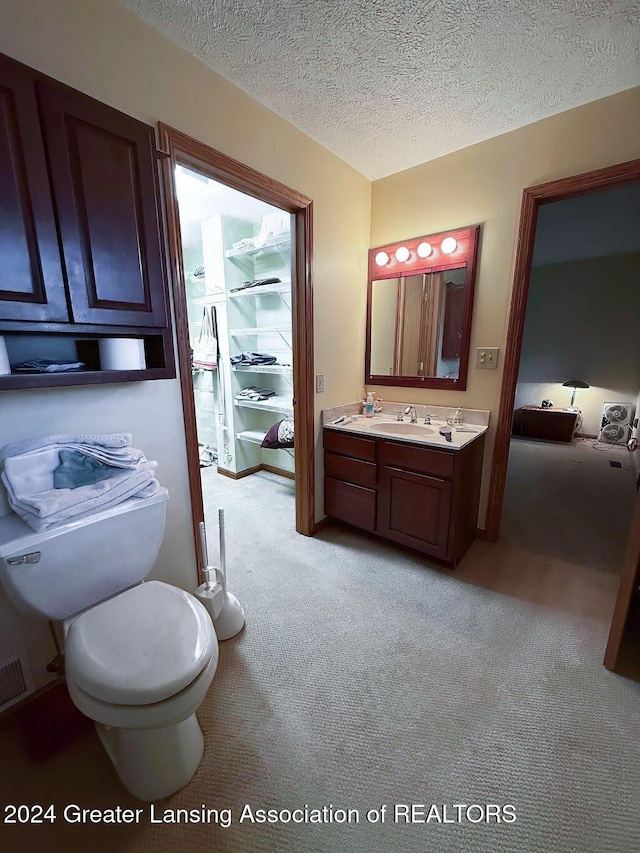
<point>187,151</point>
<point>532,198</point>
<point>628,580</point>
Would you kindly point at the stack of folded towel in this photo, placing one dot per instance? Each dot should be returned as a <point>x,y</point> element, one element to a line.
<point>62,477</point>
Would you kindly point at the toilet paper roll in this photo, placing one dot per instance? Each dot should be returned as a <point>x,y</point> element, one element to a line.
<point>121,354</point>
<point>5,367</point>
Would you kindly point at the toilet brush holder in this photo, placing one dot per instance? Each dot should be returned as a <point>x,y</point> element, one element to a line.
<point>225,609</point>
<point>231,618</point>
<point>211,595</point>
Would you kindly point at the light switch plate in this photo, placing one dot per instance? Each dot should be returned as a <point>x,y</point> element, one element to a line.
<point>487,357</point>
<point>319,383</point>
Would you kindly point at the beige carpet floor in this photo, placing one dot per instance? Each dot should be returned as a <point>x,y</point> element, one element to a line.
<point>367,676</point>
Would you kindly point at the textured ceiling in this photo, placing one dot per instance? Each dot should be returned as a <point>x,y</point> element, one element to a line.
<point>388,84</point>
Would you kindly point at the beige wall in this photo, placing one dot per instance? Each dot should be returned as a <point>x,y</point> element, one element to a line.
<point>103,50</point>
<point>484,184</point>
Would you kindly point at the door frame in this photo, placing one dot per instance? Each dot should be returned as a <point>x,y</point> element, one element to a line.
<point>184,150</point>
<point>532,199</point>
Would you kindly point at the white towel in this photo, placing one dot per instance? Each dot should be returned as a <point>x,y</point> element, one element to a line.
<point>132,486</point>
<point>107,440</point>
<point>28,476</point>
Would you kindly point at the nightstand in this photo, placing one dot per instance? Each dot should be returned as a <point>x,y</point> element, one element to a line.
<point>553,424</point>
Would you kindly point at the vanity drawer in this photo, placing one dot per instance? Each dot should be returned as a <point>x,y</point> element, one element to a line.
<point>421,459</point>
<point>352,470</point>
<point>353,504</point>
<point>350,445</point>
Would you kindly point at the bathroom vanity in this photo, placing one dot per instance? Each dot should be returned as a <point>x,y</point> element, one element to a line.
<point>405,482</point>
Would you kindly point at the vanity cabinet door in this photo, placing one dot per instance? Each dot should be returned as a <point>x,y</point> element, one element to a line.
<point>31,285</point>
<point>104,175</point>
<point>414,509</point>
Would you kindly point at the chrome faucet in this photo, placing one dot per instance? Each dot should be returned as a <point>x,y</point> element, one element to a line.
<point>427,418</point>
<point>411,410</point>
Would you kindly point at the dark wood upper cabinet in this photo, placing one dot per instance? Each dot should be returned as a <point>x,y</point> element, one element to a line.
<point>104,177</point>
<point>32,284</point>
<point>81,236</point>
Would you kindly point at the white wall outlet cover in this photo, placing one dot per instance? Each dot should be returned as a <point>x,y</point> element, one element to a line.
<point>319,383</point>
<point>487,357</point>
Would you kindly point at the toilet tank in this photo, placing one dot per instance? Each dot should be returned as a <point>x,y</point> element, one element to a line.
<point>57,572</point>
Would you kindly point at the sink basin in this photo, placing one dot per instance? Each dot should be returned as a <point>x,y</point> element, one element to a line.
<point>401,428</point>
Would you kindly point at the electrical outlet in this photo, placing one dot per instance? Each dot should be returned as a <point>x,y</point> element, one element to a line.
<point>319,383</point>
<point>487,357</point>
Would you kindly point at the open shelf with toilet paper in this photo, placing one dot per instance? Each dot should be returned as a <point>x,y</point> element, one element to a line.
<point>37,360</point>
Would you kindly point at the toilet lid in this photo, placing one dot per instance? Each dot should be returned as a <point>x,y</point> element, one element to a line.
<point>141,646</point>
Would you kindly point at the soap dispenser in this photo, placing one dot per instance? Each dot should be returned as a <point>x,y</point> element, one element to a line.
<point>369,405</point>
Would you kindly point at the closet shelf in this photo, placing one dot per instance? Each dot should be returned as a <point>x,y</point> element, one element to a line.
<point>210,299</point>
<point>272,248</point>
<point>263,368</point>
<point>255,436</point>
<point>264,330</point>
<point>283,405</point>
<point>263,289</point>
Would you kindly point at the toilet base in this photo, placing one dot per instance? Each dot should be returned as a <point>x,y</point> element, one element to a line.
<point>153,763</point>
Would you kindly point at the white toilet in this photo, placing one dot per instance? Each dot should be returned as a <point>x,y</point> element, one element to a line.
<point>139,657</point>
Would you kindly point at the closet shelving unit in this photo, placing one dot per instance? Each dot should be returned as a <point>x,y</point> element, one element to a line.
<point>256,318</point>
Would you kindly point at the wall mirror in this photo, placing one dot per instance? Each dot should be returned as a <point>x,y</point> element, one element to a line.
<point>419,308</point>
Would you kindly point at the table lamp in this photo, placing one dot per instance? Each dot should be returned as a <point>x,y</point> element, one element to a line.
<point>575,384</point>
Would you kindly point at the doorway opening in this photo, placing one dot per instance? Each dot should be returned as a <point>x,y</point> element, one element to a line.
<point>240,247</point>
<point>583,322</point>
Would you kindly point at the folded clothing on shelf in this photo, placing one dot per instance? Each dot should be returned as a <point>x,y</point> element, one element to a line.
<point>260,282</point>
<point>253,358</point>
<point>254,393</point>
<point>47,365</point>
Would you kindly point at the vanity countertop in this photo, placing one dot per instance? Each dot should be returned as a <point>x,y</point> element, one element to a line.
<point>383,425</point>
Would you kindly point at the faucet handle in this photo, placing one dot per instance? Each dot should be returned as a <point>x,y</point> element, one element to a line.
<point>399,416</point>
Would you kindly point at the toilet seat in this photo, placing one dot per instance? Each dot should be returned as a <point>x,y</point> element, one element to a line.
<point>142,646</point>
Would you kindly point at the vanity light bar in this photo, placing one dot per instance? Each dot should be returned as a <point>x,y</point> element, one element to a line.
<point>419,253</point>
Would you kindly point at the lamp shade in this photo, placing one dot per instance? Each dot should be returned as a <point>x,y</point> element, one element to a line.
<point>575,383</point>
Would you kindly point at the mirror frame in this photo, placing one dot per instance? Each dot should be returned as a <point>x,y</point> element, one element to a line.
<point>465,255</point>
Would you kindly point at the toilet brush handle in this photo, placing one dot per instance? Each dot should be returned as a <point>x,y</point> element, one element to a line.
<point>223,556</point>
<point>205,551</point>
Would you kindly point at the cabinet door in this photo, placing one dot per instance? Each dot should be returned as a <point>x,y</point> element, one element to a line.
<point>104,177</point>
<point>32,284</point>
<point>414,509</point>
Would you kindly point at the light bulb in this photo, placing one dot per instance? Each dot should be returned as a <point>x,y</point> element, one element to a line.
<point>402,254</point>
<point>449,245</point>
<point>382,259</point>
<point>424,250</point>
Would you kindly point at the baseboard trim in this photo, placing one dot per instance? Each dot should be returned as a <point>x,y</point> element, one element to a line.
<point>484,535</point>
<point>290,475</point>
<point>30,698</point>
<point>238,475</point>
<point>318,525</point>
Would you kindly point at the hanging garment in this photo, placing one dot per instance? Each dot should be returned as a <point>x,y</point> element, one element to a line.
<point>205,352</point>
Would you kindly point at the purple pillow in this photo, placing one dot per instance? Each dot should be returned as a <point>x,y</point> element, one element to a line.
<point>279,435</point>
